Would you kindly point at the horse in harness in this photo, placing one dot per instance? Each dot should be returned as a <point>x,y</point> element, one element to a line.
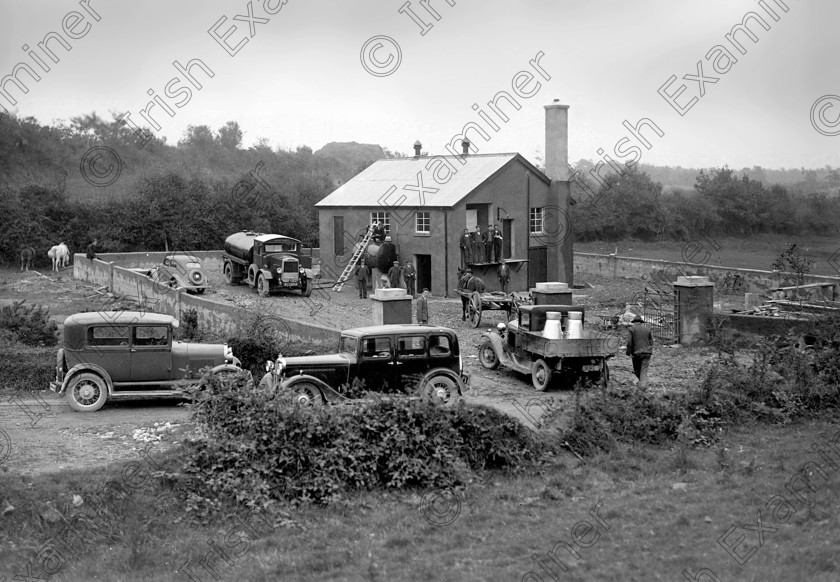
<point>467,283</point>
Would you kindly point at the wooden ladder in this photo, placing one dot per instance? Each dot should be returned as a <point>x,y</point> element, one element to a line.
<point>357,254</point>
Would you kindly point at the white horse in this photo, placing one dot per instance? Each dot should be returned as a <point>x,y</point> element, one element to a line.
<point>60,256</point>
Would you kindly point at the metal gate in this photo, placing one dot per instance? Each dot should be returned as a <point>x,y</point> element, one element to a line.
<point>660,315</point>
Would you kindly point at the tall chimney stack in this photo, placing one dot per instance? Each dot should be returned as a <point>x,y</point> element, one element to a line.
<point>557,141</point>
<point>417,147</point>
<point>466,147</point>
<point>560,256</point>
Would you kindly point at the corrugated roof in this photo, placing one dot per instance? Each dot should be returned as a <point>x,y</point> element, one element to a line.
<point>370,187</point>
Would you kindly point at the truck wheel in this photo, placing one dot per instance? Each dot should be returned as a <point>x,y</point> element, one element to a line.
<point>541,375</point>
<point>229,278</point>
<point>263,287</point>
<point>86,392</point>
<point>306,287</point>
<point>487,355</point>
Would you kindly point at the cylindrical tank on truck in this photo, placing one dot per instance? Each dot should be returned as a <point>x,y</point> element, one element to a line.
<point>267,262</point>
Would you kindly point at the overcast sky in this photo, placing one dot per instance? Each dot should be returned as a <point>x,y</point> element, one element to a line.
<point>300,79</point>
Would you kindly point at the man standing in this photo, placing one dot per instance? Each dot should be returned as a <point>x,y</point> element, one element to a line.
<point>640,348</point>
<point>423,307</point>
<point>409,274</point>
<point>504,275</point>
<point>91,250</point>
<point>466,248</point>
<point>478,245</point>
<point>488,244</point>
<point>497,243</point>
<point>394,275</point>
<point>362,274</point>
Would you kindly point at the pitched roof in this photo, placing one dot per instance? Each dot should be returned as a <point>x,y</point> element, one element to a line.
<point>370,188</point>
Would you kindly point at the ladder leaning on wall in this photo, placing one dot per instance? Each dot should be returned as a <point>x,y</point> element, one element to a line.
<point>357,254</point>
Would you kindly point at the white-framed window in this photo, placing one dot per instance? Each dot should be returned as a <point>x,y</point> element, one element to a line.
<point>535,221</point>
<point>422,222</point>
<point>382,217</point>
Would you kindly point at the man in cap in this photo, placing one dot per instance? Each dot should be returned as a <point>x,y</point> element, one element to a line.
<point>362,275</point>
<point>488,244</point>
<point>409,274</point>
<point>394,275</point>
<point>640,348</point>
<point>423,307</point>
<point>466,248</point>
<point>497,243</point>
<point>504,275</point>
<point>478,245</point>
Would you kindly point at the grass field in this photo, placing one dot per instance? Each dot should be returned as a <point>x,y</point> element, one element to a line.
<point>757,252</point>
<point>641,513</point>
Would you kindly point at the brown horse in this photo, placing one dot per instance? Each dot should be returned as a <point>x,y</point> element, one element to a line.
<point>27,258</point>
<point>468,282</point>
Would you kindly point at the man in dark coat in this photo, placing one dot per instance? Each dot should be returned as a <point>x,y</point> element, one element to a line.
<point>409,274</point>
<point>91,250</point>
<point>394,275</point>
<point>478,245</point>
<point>362,274</point>
<point>488,244</point>
<point>497,243</point>
<point>640,348</point>
<point>423,307</point>
<point>466,248</point>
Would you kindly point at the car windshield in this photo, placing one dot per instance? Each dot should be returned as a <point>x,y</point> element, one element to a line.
<point>348,344</point>
<point>193,265</point>
<point>284,247</point>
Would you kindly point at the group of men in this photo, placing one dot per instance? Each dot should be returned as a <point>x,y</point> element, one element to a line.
<point>481,247</point>
<point>396,273</point>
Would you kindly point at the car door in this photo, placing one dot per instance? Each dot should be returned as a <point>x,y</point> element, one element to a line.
<point>412,360</point>
<point>151,353</point>
<point>107,345</point>
<point>376,362</point>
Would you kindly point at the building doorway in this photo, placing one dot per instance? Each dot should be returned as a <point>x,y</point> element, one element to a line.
<point>537,265</point>
<point>424,272</point>
<point>507,238</point>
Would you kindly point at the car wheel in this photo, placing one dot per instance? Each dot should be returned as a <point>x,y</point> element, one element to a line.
<point>306,288</point>
<point>487,355</point>
<point>228,272</point>
<point>442,390</point>
<point>307,394</point>
<point>86,392</point>
<point>263,287</point>
<point>541,375</point>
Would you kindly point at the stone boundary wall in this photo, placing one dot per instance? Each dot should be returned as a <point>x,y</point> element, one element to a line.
<point>217,316</point>
<point>667,271</point>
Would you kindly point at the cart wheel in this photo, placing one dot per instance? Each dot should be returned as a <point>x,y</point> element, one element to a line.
<point>487,355</point>
<point>541,375</point>
<point>475,309</point>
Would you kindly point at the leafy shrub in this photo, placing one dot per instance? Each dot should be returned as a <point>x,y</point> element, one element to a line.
<point>31,324</point>
<point>259,446</point>
<point>26,368</point>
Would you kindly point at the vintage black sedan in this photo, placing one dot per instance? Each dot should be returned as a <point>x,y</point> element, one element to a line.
<point>414,360</point>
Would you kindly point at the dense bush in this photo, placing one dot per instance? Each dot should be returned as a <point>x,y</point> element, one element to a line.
<point>25,368</point>
<point>259,446</point>
<point>31,324</point>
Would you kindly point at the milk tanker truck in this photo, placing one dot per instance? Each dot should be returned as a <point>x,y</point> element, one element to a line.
<point>267,262</point>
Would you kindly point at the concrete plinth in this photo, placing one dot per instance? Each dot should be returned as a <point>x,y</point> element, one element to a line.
<point>391,306</point>
<point>694,300</point>
<point>551,293</point>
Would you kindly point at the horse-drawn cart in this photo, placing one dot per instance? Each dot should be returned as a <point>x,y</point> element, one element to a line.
<point>475,302</point>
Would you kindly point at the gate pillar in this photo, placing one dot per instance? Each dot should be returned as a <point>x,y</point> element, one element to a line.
<point>694,302</point>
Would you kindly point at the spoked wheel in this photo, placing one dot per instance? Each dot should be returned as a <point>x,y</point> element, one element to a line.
<point>86,392</point>
<point>487,355</point>
<point>442,390</point>
<point>307,394</point>
<point>475,309</point>
<point>541,375</point>
<point>263,287</point>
